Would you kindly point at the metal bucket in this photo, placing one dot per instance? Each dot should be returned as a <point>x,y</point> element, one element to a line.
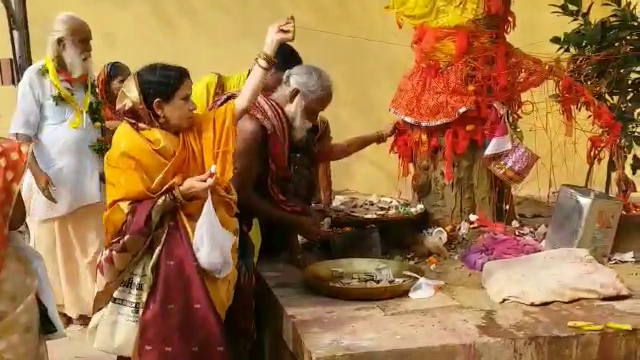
<point>584,218</point>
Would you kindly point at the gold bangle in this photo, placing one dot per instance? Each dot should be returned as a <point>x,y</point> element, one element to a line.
<point>381,137</point>
<point>265,68</point>
<point>177,197</point>
<point>270,60</point>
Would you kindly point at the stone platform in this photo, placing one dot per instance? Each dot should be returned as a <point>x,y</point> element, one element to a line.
<point>459,323</point>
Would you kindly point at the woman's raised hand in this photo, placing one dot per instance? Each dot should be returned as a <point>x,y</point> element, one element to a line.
<point>278,33</point>
<point>196,187</point>
<point>281,32</point>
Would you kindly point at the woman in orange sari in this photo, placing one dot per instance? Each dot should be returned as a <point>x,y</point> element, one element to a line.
<point>108,85</point>
<point>157,180</point>
<point>21,321</point>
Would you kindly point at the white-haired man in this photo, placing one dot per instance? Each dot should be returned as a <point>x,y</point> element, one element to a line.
<point>62,190</point>
<point>276,141</point>
<point>279,146</point>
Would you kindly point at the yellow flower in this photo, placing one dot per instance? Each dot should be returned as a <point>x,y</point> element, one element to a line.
<point>97,125</point>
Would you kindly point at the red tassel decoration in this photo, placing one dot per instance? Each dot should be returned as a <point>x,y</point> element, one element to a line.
<point>462,45</point>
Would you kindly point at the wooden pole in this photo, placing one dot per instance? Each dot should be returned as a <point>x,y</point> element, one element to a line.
<point>19,34</point>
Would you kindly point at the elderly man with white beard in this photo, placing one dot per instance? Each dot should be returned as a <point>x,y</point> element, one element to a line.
<point>280,143</point>
<point>62,190</point>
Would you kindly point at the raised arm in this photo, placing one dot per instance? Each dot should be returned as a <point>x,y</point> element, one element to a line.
<point>277,34</point>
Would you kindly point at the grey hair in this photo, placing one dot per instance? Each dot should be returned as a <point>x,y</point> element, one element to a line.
<point>312,81</point>
<point>62,27</point>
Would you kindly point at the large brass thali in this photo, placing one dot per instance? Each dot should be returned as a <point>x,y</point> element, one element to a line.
<point>319,278</point>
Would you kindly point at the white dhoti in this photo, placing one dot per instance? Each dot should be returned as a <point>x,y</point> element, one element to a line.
<point>69,233</point>
<point>70,246</point>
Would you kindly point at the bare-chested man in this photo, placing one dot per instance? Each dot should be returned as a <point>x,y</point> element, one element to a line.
<point>278,149</point>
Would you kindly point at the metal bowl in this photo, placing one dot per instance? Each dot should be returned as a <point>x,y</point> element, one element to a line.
<point>319,277</point>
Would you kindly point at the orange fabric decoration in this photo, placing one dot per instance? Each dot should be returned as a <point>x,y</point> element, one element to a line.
<point>461,71</point>
<point>413,142</point>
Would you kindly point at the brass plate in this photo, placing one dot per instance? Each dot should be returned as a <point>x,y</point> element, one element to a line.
<point>319,277</point>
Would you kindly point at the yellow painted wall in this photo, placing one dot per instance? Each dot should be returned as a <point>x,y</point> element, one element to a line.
<point>356,41</point>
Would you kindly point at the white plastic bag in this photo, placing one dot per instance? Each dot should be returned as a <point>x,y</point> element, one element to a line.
<point>212,243</point>
<point>424,288</point>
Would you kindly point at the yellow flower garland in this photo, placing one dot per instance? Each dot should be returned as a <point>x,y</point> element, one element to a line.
<point>67,96</point>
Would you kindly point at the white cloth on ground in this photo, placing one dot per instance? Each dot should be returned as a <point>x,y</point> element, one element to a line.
<point>562,275</point>
<point>62,152</point>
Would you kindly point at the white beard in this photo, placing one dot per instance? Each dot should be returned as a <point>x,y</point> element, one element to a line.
<point>77,63</point>
<point>299,124</point>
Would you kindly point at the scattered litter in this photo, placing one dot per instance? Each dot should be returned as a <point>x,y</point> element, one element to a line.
<point>592,328</point>
<point>615,326</point>
<point>463,229</point>
<point>541,233</point>
<point>434,240</point>
<point>619,258</point>
<point>432,262</point>
<point>589,326</point>
<point>579,324</point>
<point>424,288</point>
<point>585,326</point>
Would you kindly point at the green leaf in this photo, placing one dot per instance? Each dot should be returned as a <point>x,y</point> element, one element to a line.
<point>556,40</point>
<point>574,4</point>
<point>585,15</point>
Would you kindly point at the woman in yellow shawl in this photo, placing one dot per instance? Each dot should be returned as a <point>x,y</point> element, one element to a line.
<point>211,86</point>
<point>156,182</point>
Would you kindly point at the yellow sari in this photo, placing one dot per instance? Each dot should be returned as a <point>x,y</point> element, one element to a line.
<point>206,89</point>
<point>203,93</point>
<point>145,164</point>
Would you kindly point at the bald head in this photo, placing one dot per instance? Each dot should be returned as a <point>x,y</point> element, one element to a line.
<point>70,43</point>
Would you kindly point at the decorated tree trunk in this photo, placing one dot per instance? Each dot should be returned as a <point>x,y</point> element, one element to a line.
<point>459,105</point>
<point>470,192</point>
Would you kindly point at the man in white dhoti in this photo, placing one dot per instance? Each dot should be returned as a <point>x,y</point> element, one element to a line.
<point>62,189</point>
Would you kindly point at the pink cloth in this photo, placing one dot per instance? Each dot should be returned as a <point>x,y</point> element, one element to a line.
<point>490,246</point>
